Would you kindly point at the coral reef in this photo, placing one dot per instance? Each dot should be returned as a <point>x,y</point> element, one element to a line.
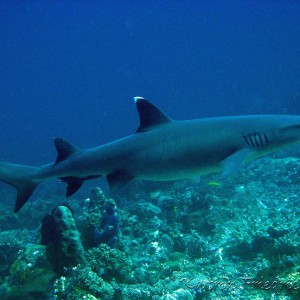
<point>110,263</point>
<point>82,282</point>
<point>10,244</point>
<point>94,218</point>
<point>30,275</point>
<point>237,239</point>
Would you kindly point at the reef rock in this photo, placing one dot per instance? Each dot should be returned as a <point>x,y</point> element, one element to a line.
<point>179,294</point>
<point>145,210</point>
<point>65,249</point>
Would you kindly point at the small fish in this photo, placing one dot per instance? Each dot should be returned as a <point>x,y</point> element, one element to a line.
<point>214,184</point>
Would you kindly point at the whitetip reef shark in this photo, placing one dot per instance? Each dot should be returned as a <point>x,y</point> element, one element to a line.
<point>161,149</point>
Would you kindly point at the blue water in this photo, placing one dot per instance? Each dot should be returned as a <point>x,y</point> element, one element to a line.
<point>71,68</point>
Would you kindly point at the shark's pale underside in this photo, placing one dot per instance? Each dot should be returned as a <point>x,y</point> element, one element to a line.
<point>161,149</point>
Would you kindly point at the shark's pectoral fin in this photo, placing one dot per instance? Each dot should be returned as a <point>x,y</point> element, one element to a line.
<point>289,134</point>
<point>118,179</point>
<point>64,149</point>
<point>233,162</point>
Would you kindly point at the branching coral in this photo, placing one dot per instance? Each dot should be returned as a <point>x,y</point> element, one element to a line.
<point>113,262</point>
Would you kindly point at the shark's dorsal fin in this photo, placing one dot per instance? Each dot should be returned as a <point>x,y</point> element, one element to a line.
<point>150,115</point>
<point>64,150</point>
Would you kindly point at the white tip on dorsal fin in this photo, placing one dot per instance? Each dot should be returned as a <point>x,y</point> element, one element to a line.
<point>137,98</point>
<point>150,115</point>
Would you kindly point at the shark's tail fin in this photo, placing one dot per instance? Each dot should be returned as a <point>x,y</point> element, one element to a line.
<point>21,177</point>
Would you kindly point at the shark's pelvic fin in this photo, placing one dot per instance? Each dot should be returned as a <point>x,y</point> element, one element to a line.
<point>150,115</point>
<point>75,183</point>
<point>118,179</point>
<point>64,150</point>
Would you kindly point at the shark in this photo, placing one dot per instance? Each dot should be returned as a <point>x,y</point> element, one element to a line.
<point>161,149</point>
